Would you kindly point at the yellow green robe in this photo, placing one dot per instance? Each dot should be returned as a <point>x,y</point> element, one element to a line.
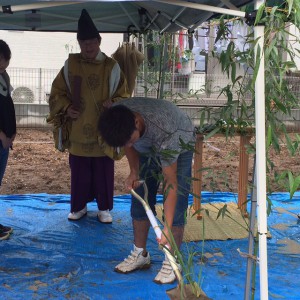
<point>101,79</point>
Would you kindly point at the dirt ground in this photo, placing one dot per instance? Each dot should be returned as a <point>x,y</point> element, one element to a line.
<point>35,166</point>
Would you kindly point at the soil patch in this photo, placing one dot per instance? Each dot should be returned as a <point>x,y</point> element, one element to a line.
<point>35,166</point>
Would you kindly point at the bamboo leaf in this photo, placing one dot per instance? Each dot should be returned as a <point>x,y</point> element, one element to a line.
<point>291,180</point>
<point>221,30</point>
<point>213,132</point>
<point>283,175</point>
<point>295,187</point>
<point>233,72</point>
<point>260,12</point>
<point>290,145</point>
<point>290,4</point>
<point>275,141</point>
<point>257,63</point>
<point>269,136</point>
<point>202,118</point>
<point>222,211</point>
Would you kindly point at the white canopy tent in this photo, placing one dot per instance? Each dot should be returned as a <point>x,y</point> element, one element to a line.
<point>113,16</point>
<point>161,15</point>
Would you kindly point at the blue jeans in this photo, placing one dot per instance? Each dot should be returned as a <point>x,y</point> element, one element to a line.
<point>151,173</point>
<point>3,160</point>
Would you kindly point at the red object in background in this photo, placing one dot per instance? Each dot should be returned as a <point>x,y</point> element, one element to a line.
<point>181,47</point>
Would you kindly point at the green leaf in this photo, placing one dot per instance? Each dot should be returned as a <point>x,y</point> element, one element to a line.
<point>202,118</point>
<point>290,4</point>
<point>260,12</point>
<point>291,180</point>
<point>269,136</point>
<point>222,211</point>
<point>221,30</point>
<point>213,132</point>
<point>294,183</point>
<point>282,175</point>
<point>290,145</point>
<point>233,72</point>
<point>296,186</point>
<point>257,63</point>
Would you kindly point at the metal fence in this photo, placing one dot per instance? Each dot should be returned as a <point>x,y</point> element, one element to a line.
<point>31,85</point>
<point>192,92</point>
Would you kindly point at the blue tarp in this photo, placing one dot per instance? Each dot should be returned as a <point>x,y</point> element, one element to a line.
<point>49,257</point>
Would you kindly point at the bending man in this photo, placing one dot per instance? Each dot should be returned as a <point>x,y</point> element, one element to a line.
<point>159,139</point>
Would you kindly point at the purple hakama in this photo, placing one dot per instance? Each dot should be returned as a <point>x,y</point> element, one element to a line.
<point>91,178</point>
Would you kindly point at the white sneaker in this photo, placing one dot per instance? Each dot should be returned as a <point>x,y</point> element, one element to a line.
<point>104,216</point>
<point>134,261</point>
<point>166,273</point>
<point>73,216</point>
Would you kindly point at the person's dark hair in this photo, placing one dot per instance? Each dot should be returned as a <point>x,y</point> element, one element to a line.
<point>116,125</point>
<point>5,50</point>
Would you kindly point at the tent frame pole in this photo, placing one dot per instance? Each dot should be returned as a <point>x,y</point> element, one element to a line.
<point>15,8</point>
<point>260,135</point>
<point>215,9</point>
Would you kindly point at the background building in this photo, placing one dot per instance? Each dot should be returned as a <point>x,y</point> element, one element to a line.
<point>49,50</point>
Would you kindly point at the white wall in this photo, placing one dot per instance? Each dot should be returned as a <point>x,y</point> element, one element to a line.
<point>49,50</point>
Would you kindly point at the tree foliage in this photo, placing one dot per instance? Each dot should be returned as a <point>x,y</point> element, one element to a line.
<point>279,58</point>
